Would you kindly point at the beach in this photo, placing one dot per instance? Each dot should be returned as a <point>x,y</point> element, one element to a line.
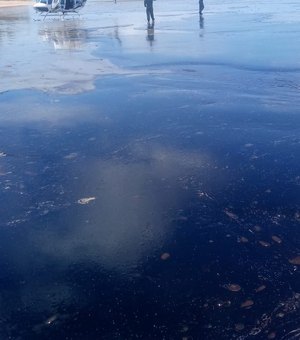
<point>149,174</point>
<point>13,3</point>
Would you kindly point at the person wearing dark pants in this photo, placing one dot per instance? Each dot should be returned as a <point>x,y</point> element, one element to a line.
<point>201,6</point>
<point>149,10</point>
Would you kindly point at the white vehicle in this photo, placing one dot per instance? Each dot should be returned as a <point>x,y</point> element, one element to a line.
<point>62,7</point>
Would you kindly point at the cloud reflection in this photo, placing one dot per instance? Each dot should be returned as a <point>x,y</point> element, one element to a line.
<point>133,211</point>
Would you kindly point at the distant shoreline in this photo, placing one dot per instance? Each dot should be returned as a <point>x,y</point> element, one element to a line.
<point>14,3</point>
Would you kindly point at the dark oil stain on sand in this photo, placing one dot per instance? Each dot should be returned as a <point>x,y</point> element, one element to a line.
<point>128,214</point>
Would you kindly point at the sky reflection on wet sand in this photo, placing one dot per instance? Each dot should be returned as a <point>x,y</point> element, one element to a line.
<point>150,189</point>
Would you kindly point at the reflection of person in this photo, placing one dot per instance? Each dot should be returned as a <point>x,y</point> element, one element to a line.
<point>149,10</point>
<point>150,34</point>
<point>201,22</point>
<point>201,6</point>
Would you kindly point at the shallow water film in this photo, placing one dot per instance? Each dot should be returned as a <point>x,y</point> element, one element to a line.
<point>150,176</point>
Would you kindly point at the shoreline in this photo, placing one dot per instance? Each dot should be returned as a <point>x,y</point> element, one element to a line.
<point>14,3</point>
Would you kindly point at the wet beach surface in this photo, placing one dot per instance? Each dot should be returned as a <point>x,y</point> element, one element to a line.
<point>150,178</point>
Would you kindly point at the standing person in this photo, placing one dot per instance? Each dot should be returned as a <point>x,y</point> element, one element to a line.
<point>149,10</point>
<point>201,6</point>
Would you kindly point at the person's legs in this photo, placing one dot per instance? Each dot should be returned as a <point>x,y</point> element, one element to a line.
<point>151,12</point>
<point>201,6</point>
<point>148,13</point>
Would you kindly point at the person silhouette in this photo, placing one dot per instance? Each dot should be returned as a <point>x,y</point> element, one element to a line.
<point>149,10</point>
<point>201,6</point>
